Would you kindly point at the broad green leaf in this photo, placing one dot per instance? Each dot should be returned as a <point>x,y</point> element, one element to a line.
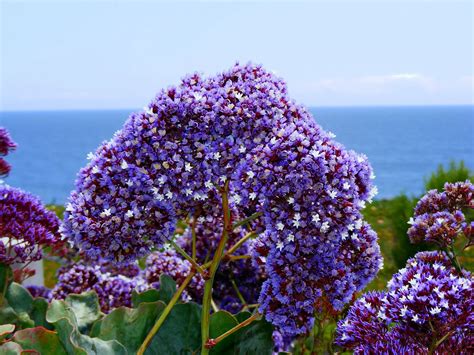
<point>61,315</point>
<point>10,348</point>
<point>21,302</point>
<point>38,313</point>
<point>165,293</point>
<point>221,322</point>
<point>129,326</point>
<point>86,309</point>
<point>180,333</point>
<point>152,295</point>
<point>5,330</point>
<point>42,340</point>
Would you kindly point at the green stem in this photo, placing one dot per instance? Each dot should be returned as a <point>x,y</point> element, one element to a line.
<point>193,232</point>
<point>452,257</point>
<point>164,314</point>
<point>213,342</point>
<point>247,220</point>
<point>188,258</point>
<point>240,242</point>
<point>206,301</point>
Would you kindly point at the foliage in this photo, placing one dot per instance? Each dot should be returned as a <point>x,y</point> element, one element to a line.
<point>455,171</point>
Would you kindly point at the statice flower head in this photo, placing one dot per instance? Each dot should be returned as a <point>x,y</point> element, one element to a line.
<point>427,301</point>
<point>39,291</point>
<point>439,216</point>
<point>113,290</point>
<point>168,262</point>
<point>239,127</point>
<point>6,145</point>
<point>26,227</point>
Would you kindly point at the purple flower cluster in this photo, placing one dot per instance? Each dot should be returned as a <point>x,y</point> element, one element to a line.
<point>6,145</point>
<point>170,161</point>
<point>113,290</point>
<point>438,215</point>
<point>428,305</point>
<point>25,227</point>
<point>168,262</point>
<point>39,291</point>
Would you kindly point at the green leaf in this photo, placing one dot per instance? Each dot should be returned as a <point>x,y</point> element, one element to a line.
<point>40,339</point>
<point>165,293</point>
<point>86,309</point>
<point>38,313</point>
<point>5,330</point>
<point>219,323</point>
<point>21,301</point>
<point>180,333</point>
<point>152,295</point>
<point>255,338</point>
<point>62,316</point>
<point>129,326</point>
<point>10,348</point>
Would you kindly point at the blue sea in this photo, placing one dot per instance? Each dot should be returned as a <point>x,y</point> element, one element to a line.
<point>404,144</point>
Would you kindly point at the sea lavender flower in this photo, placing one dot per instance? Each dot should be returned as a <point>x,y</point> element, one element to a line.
<point>39,291</point>
<point>172,160</point>
<point>168,262</point>
<point>6,145</point>
<point>427,301</point>
<point>26,227</point>
<point>438,215</point>
<point>113,290</point>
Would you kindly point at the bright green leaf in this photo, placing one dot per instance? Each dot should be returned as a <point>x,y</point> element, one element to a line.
<point>10,348</point>
<point>62,316</point>
<point>129,326</point>
<point>5,330</point>
<point>180,333</point>
<point>221,322</point>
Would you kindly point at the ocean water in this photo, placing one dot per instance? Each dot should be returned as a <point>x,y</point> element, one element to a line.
<point>404,144</point>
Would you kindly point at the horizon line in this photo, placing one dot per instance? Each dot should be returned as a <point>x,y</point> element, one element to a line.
<point>308,106</point>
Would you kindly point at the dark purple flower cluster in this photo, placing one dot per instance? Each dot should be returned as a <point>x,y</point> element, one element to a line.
<point>169,162</point>
<point>26,227</point>
<point>438,216</point>
<point>168,262</point>
<point>39,291</point>
<point>428,305</point>
<point>113,290</point>
<point>6,145</point>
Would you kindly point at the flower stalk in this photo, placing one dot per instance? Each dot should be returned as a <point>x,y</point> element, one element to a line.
<point>207,298</point>
<point>213,342</point>
<point>188,258</point>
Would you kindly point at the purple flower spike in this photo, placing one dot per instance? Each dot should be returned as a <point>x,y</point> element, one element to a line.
<point>6,145</point>
<point>438,216</point>
<point>25,227</point>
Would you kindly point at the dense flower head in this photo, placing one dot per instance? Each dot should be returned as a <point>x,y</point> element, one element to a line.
<point>168,262</point>
<point>26,227</point>
<point>113,290</point>
<point>39,291</point>
<point>172,160</point>
<point>425,301</point>
<point>6,145</point>
<point>438,215</point>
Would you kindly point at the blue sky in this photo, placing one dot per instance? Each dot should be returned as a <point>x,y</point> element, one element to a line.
<point>118,54</point>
